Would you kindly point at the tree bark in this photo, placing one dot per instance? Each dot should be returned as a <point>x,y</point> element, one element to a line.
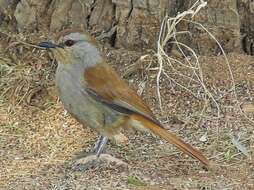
<point>135,24</point>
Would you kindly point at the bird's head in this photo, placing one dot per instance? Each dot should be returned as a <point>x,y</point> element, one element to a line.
<point>72,47</point>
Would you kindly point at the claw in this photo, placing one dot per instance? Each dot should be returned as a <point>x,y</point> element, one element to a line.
<point>97,150</point>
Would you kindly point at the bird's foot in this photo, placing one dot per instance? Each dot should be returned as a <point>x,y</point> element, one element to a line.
<point>92,161</point>
<point>83,154</point>
<point>98,149</point>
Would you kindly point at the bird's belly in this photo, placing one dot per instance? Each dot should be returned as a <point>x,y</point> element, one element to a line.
<point>81,106</point>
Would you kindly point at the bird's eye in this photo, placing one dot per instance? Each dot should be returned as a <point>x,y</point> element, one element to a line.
<point>69,43</point>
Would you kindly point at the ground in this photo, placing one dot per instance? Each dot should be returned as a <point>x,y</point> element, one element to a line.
<point>39,139</point>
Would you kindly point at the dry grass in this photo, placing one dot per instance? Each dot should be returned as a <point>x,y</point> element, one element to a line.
<point>24,69</point>
<point>168,36</point>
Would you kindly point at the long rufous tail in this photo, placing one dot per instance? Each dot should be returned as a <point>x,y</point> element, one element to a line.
<point>171,138</point>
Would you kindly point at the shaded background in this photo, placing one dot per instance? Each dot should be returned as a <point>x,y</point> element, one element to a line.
<point>134,24</point>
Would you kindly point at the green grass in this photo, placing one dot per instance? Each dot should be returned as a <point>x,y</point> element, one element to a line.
<point>135,181</point>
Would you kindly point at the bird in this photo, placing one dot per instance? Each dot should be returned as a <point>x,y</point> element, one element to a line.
<point>94,93</point>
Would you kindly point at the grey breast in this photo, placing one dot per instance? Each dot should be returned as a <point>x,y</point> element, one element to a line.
<point>72,92</point>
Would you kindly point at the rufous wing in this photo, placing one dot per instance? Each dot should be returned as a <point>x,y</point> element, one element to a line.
<point>108,87</point>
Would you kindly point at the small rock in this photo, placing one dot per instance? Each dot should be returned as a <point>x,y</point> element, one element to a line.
<point>248,107</point>
<point>203,138</point>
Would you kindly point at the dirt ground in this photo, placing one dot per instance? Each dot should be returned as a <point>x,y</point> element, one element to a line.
<point>39,140</point>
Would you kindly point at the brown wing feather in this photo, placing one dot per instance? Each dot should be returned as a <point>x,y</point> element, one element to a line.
<point>105,82</point>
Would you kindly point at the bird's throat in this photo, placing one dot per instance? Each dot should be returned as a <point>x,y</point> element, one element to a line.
<point>63,56</point>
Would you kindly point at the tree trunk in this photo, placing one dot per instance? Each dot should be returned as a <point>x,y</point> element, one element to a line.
<point>135,24</point>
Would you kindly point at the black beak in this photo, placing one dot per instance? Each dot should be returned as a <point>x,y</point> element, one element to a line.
<point>50,45</point>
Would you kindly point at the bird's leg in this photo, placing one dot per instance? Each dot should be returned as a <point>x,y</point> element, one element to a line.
<point>96,145</point>
<point>96,150</point>
<point>112,130</point>
<point>97,156</point>
<point>100,145</point>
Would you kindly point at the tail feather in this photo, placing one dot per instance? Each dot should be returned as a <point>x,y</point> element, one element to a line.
<point>163,133</point>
